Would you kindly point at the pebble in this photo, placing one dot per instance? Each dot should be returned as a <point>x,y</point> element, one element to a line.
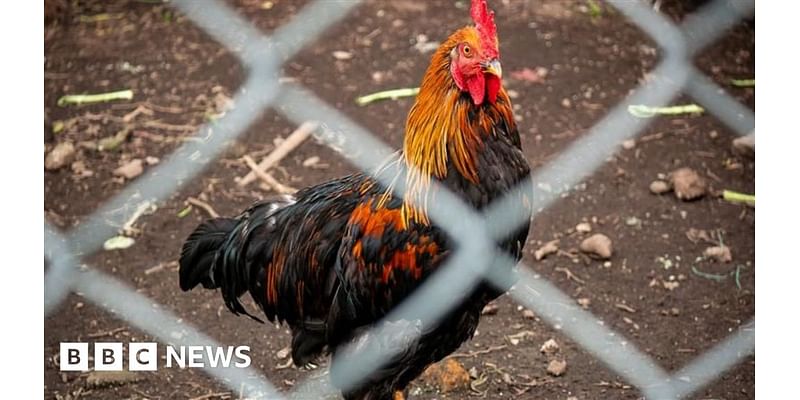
<point>659,187</point>
<point>311,161</point>
<point>745,145</point>
<point>628,144</point>
<point>131,169</point>
<point>490,309</point>
<point>548,248</point>
<point>688,184</point>
<point>720,253</point>
<point>598,245</point>
<point>528,314</point>
<point>60,156</point>
<point>584,302</point>
<point>549,347</point>
<point>557,367</point>
<point>342,55</point>
<point>583,227</point>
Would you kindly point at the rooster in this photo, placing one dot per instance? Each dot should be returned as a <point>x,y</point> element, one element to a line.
<point>334,258</point>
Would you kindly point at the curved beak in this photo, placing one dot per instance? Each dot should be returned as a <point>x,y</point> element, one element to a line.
<point>493,67</point>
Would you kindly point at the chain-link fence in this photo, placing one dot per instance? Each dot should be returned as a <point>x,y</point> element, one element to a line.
<point>262,57</point>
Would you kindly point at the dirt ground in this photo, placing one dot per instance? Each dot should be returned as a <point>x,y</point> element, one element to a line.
<point>656,289</point>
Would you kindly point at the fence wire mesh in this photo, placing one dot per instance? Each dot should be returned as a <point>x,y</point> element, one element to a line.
<point>263,56</point>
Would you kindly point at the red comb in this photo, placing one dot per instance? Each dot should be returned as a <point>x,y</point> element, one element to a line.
<point>484,22</point>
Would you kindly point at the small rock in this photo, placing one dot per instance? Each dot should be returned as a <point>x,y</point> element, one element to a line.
<point>118,243</point>
<point>542,72</point>
<point>60,156</point>
<point>528,314</point>
<point>283,353</point>
<point>659,187</point>
<point>566,103</point>
<point>583,227</point>
<point>720,253</point>
<point>688,184</point>
<point>628,144</point>
<point>597,245</point>
<point>745,145</point>
<point>311,161</point>
<point>557,367</point>
<point>150,160</point>
<point>549,347</point>
<point>79,169</point>
<point>670,285</point>
<point>584,302</point>
<point>102,379</point>
<point>548,248</point>
<point>342,55</point>
<point>675,311</point>
<point>447,376</point>
<point>131,169</point>
<point>633,221</point>
<point>696,235</point>
<point>490,309</point>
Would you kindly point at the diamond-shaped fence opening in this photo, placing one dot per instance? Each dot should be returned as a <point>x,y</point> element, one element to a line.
<point>674,75</point>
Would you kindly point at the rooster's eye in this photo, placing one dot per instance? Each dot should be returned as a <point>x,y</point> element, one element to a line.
<point>467,51</point>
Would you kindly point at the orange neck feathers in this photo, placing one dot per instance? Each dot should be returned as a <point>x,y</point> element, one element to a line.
<point>444,128</point>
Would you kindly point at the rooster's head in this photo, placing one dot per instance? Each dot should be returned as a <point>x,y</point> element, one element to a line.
<point>475,58</point>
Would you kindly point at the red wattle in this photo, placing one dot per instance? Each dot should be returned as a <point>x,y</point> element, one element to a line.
<point>492,87</point>
<point>477,88</point>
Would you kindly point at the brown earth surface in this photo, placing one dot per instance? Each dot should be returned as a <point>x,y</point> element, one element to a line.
<point>656,289</point>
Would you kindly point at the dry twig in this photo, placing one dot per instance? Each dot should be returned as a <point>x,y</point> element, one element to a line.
<point>570,275</point>
<point>205,206</point>
<point>106,333</point>
<point>295,139</point>
<point>478,352</point>
<point>268,179</point>
<point>222,395</point>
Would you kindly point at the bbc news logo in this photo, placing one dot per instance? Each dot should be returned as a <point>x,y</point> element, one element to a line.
<point>143,356</point>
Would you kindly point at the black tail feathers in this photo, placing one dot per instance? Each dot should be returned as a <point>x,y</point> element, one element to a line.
<point>227,254</point>
<point>199,253</point>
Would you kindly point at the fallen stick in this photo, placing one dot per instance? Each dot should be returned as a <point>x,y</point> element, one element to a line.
<point>220,395</point>
<point>642,111</point>
<point>160,267</point>
<point>736,197</point>
<point>127,118</point>
<point>743,82</point>
<point>169,127</point>
<point>79,99</point>
<point>295,139</point>
<point>205,206</point>
<point>387,94</point>
<point>268,179</point>
<point>570,275</point>
<point>106,333</point>
<point>143,207</point>
<point>100,17</point>
<point>478,352</point>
